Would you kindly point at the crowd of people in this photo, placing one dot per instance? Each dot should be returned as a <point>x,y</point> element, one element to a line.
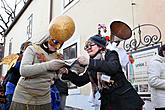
<point>37,81</point>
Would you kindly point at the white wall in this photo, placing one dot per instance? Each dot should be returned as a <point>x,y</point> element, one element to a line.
<point>87,14</point>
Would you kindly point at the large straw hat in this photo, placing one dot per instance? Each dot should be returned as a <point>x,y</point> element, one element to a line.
<point>61,28</point>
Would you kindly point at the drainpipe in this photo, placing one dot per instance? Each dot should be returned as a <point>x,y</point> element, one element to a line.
<point>51,8</point>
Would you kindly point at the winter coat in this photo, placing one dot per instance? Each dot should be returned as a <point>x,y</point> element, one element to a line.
<point>156,79</point>
<point>120,95</point>
<point>36,76</point>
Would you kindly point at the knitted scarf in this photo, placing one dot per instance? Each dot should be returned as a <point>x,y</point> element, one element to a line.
<point>98,86</point>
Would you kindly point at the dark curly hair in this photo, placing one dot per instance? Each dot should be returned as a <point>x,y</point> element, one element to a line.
<point>162,48</point>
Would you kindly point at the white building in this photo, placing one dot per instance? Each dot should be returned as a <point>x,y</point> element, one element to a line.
<point>33,20</point>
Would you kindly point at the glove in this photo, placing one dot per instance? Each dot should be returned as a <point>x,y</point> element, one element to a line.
<point>54,64</point>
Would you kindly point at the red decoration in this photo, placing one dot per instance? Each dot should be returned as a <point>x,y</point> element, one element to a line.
<point>107,38</point>
<point>131,59</point>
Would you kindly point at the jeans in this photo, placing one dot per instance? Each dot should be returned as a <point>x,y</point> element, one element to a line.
<point>8,103</point>
<point>2,106</point>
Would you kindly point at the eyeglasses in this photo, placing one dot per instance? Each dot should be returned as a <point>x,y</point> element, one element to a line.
<point>88,45</point>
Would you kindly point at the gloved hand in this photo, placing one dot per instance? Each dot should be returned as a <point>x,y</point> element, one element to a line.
<point>54,64</point>
<point>83,60</point>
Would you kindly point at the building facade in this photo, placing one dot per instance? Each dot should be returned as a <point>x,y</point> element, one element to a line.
<point>143,16</point>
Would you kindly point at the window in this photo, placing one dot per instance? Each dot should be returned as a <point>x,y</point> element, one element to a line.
<point>70,52</point>
<point>67,4</point>
<point>10,46</point>
<point>29,27</point>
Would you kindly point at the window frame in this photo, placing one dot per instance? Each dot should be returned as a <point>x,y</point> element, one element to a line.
<point>70,1</point>
<point>71,85</point>
<point>29,26</point>
<point>69,47</point>
<point>10,45</point>
<point>69,5</point>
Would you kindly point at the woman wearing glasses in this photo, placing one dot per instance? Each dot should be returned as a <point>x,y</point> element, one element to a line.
<point>105,73</point>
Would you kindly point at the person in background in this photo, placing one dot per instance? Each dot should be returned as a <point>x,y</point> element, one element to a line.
<point>13,76</point>
<point>59,92</point>
<point>113,44</point>
<point>123,56</point>
<point>63,92</point>
<point>55,96</point>
<point>2,96</point>
<point>156,79</point>
<point>115,90</point>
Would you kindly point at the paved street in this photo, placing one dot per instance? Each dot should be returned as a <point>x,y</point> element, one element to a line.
<point>71,108</point>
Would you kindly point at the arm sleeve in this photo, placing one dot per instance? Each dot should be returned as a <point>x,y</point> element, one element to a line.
<point>76,79</point>
<point>154,77</point>
<point>110,65</point>
<point>123,57</point>
<point>27,67</point>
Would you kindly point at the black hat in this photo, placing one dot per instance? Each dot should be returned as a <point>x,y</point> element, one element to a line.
<point>99,40</point>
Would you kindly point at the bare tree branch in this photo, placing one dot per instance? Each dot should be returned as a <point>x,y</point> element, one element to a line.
<point>10,12</point>
<point>2,19</point>
<point>4,6</point>
<point>24,1</point>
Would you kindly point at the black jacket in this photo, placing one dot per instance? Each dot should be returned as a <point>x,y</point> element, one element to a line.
<point>61,86</point>
<point>121,95</point>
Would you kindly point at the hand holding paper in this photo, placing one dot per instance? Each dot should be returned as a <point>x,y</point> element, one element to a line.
<point>55,64</point>
<point>83,60</point>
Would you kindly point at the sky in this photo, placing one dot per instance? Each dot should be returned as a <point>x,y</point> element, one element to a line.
<point>11,3</point>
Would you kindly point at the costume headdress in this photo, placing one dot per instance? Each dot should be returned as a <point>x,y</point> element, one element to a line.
<point>61,29</point>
